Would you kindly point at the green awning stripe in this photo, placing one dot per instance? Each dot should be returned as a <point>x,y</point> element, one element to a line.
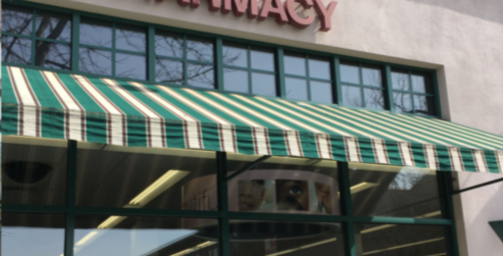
<point>64,106</point>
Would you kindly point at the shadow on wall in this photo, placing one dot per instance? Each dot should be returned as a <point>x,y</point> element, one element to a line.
<point>490,10</point>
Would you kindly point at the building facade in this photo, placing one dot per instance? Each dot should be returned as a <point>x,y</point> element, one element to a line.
<point>251,127</point>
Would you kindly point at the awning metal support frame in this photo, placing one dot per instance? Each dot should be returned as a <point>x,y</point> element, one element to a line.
<point>247,167</point>
<point>477,186</point>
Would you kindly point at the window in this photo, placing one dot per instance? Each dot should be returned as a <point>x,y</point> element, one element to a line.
<point>44,38</point>
<point>38,38</point>
<point>113,49</point>
<point>249,70</point>
<point>362,86</point>
<point>308,78</point>
<point>182,59</point>
<point>412,92</point>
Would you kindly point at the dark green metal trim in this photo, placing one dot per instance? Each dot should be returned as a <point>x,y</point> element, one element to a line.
<point>151,59</point>
<point>498,228</point>
<point>75,57</point>
<point>448,212</point>
<point>280,65</point>
<point>347,207</point>
<point>34,208</point>
<point>286,217</point>
<point>71,173</point>
<point>146,212</point>
<point>223,201</point>
<point>390,100</point>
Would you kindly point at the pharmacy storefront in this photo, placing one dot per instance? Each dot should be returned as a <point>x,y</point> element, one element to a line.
<point>134,136</point>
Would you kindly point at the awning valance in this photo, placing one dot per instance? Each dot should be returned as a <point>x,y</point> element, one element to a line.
<point>65,106</point>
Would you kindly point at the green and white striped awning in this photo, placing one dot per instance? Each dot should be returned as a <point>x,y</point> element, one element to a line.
<point>64,106</point>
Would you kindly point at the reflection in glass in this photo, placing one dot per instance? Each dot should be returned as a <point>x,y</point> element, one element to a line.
<point>400,81</point>
<point>262,60</point>
<point>319,69</point>
<point>321,92</point>
<point>169,71</point>
<point>394,191</point>
<point>264,84</point>
<point>274,238</point>
<point>95,61</point>
<point>374,99</point>
<point>57,56</point>
<point>16,50</point>
<point>16,20</point>
<point>295,65</point>
<point>371,76</point>
<point>130,38</point>
<point>33,234</point>
<point>94,32</point>
<point>418,84</point>
<point>200,49</point>
<point>403,102</point>
<point>103,235</point>
<point>200,75</point>
<point>399,240</point>
<point>157,178</point>
<point>283,184</point>
<point>53,26</point>
<point>350,73</point>
<point>33,171</point>
<point>168,44</point>
<point>296,89</point>
<point>423,104</point>
<point>236,80</point>
<point>130,66</point>
<point>351,96</point>
<point>235,56</point>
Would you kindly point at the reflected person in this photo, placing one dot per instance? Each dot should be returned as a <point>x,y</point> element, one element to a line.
<point>251,195</point>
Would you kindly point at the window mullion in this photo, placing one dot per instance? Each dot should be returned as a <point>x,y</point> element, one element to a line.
<point>33,35</point>
<point>411,91</point>
<point>223,203</point>
<point>151,60</point>
<point>75,43</point>
<point>185,66</point>
<point>281,73</point>
<point>248,52</point>
<point>114,28</point>
<point>337,78</point>
<point>71,173</point>
<point>308,81</point>
<point>347,208</point>
<point>219,63</point>
<point>389,88</point>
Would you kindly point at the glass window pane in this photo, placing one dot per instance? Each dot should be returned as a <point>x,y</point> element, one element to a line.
<point>17,20</point>
<point>200,49</point>
<point>33,234</point>
<point>236,80</point>
<point>288,238</point>
<point>264,84</point>
<point>130,38</point>
<point>296,89</point>
<point>372,76</point>
<point>400,81</point>
<point>350,73</point>
<point>95,61</point>
<point>321,92</point>
<point>262,60</point>
<point>159,178</point>
<point>295,65</point>
<point>95,32</point>
<point>352,96</point>
<point>374,99</point>
<point>53,55</point>
<point>168,44</point>
<point>403,102</point>
<point>418,83</point>
<point>399,240</point>
<point>130,66</point>
<point>200,75</point>
<point>54,26</point>
<point>33,171</point>
<point>169,71</point>
<point>235,55</point>
<point>394,191</point>
<point>16,50</point>
<point>423,105</point>
<point>284,185</point>
<point>102,235</point>
<point>319,69</point>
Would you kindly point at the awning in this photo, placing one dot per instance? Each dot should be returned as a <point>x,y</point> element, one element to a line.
<point>65,106</point>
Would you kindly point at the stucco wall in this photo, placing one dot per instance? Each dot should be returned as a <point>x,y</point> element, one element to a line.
<point>460,38</point>
<point>474,210</point>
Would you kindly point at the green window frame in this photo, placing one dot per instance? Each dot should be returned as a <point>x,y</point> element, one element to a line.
<point>360,84</point>
<point>419,98</point>
<point>216,67</point>
<point>224,215</point>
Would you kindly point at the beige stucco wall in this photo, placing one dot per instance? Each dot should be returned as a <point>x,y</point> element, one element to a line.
<point>462,39</point>
<point>474,210</point>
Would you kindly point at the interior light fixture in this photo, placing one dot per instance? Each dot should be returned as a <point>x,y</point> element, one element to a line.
<point>360,187</point>
<point>404,246</point>
<point>162,184</point>
<point>381,227</point>
<point>301,247</point>
<point>195,248</point>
